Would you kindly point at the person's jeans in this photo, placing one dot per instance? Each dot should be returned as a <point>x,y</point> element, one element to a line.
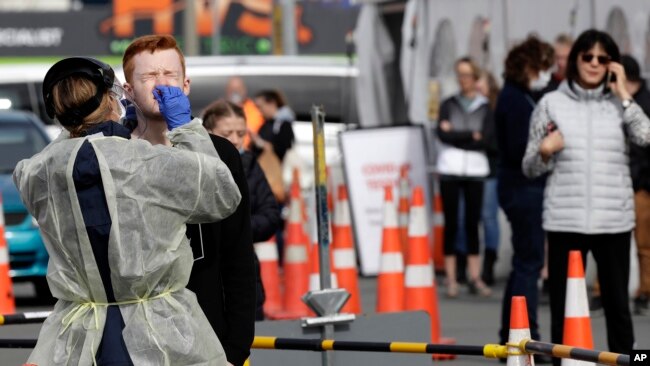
<point>489,219</point>
<point>522,204</point>
<point>642,237</point>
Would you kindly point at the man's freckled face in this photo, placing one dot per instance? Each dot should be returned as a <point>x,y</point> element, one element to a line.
<point>154,69</point>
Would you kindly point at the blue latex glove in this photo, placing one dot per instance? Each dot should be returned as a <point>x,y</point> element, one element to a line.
<point>174,105</point>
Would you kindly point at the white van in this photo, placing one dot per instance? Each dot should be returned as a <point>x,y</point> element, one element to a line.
<point>304,80</point>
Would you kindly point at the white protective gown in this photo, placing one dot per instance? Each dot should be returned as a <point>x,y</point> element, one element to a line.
<point>151,192</point>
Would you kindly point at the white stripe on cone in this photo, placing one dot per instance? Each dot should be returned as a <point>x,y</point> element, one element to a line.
<point>392,263</point>
<point>266,251</point>
<point>341,213</point>
<point>296,254</point>
<point>418,275</point>
<point>4,256</point>
<point>438,219</point>
<point>403,219</point>
<point>295,212</point>
<point>418,224</point>
<point>390,215</point>
<point>344,258</point>
<point>576,302</point>
<point>516,336</point>
<point>314,281</point>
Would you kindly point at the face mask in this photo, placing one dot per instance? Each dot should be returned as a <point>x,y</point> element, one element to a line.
<point>543,78</point>
<point>236,98</point>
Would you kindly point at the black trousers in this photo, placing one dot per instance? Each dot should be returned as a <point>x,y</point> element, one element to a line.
<point>612,255</point>
<point>450,190</point>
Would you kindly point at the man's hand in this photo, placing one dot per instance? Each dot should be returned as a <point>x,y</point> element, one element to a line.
<point>229,364</point>
<point>551,144</point>
<point>173,104</point>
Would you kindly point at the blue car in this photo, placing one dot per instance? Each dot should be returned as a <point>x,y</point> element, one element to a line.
<point>21,136</point>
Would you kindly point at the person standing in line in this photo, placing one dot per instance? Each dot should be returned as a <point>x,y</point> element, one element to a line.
<point>466,132</point>
<point>561,49</point>
<point>113,211</point>
<point>578,135</point>
<point>223,276</point>
<point>527,71</point>
<point>226,119</point>
<point>237,93</point>
<point>640,170</point>
<point>277,129</point>
<point>487,86</point>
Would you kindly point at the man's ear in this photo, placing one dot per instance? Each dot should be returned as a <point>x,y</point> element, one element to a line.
<point>186,86</point>
<point>129,91</point>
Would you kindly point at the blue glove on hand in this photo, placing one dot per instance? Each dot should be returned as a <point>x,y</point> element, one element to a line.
<point>174,105</point>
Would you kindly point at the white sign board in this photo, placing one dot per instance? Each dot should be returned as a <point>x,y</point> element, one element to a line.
<point>372,159</point>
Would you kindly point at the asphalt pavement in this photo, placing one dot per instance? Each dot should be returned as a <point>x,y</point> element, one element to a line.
<point>470,320</point>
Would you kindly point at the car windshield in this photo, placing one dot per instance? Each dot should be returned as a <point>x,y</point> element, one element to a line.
<point>17,142</point>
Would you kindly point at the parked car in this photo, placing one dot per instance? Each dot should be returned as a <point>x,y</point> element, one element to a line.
<point>22,135</point>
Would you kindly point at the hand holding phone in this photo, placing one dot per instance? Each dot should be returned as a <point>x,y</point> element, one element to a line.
<point>550,127</point>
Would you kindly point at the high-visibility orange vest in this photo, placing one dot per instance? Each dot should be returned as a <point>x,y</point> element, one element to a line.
<point>254,118</point>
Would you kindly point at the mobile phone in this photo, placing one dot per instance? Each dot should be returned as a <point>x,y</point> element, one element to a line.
<point>611,77</point>
<point>550,127</point>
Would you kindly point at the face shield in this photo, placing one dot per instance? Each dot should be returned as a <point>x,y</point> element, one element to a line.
<point>117,91</point>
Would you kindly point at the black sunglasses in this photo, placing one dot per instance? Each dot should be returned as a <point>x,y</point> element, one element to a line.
<point>603,60</point>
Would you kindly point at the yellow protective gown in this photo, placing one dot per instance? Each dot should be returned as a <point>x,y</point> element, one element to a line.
<point>152,192</point>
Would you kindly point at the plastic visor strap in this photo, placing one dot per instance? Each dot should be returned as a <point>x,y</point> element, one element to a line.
<point>80,310</point>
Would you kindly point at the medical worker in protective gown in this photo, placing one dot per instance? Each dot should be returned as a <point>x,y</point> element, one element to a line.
<point>112,212</point>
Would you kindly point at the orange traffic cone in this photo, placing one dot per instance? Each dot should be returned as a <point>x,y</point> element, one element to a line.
<point>267,253</point>
<point>577,325</point>
<point>390,282</point>
<point>438,234</point>
<point>345,259</point>
<point>403,207</point>
<point>519,330</point>
<point>7,301</point>
<point>419,279</point>
<point>296,259</point>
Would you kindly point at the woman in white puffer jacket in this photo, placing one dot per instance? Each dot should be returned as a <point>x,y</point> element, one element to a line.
<point>579,134</point>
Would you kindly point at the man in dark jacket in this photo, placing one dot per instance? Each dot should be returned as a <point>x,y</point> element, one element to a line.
<point>223,275</point>
<point>640,170</point>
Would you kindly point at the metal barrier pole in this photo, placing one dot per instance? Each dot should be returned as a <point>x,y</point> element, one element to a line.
<point>575,353</point>
<point>487,351</point>
<point>24,318</point>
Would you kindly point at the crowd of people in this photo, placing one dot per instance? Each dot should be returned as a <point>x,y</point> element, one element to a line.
<point>564,141</point>
<point>149,214</point>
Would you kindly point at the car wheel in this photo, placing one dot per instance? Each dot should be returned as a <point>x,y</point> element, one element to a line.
<point>42,289</point>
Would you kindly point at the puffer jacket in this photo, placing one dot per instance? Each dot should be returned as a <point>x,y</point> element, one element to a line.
<point>589,189</point>
<point>460,155</point>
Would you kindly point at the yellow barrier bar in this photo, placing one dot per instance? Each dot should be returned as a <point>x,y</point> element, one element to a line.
<point>495,351</point>
<point>408,347</point>
<point>264,342</point>
<point>2,319</point>
<point>328,345</point>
